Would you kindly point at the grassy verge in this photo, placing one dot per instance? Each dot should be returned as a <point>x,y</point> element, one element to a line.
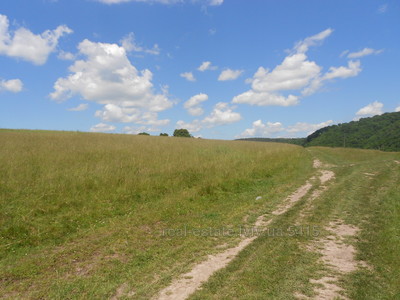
<point>278,265</point>
<point>82,215</point>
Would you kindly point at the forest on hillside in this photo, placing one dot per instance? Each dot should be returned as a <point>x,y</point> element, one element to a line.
<point>379,132</point>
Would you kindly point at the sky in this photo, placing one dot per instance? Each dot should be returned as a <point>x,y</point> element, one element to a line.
<point>223,69</point>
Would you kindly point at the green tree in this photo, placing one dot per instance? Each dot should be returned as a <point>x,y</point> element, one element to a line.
<point>182,133</point>
<point>163,134</point>
<point>143,133</point>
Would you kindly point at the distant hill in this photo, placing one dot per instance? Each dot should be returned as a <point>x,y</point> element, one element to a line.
<point>295,141</point>
<point>378,132</point>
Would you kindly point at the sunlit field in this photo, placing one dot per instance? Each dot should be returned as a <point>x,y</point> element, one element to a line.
<point>82,213</point>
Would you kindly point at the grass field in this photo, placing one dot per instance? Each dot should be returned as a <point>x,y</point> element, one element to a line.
<point>279,267</point>
<point>82,215</point>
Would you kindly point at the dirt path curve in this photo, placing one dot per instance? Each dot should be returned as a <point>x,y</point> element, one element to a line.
<point>339,256</point>
<point>182,287</point>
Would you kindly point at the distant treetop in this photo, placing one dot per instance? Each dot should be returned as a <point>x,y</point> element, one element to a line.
<point>182,133</point>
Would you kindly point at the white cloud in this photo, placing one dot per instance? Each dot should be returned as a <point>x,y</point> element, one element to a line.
<point>188,76</point>
<point>363,52</point>
<point>24,44</point>
<point>107,77</point>
<point>129,44</point>
<point>262,130</point>
<point>66,55</point>
<point>193,126</point>
<point>397,108</point>
<point>80,107</point>
<point>102,127</point>
<point>193,105</point>
<point>115,113</point>
<point>295,73</point>
<point>12,85</point>
<point>302,46</point>
<point>269,129</point>
<point>229,74</point>
<point>137,130</point>
<point>265,99</point>
<point>221,114</point>
<point>206,65</point>
<point>352,69</point>
<point>308,128</point>
<point>371,109</point>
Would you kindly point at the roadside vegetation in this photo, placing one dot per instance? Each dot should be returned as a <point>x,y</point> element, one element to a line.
<point>279,265</point>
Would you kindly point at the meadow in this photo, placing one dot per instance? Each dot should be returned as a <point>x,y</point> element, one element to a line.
<point>82,214</point>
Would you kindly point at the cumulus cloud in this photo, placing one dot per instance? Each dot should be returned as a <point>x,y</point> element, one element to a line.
<point>295,73</point>
<point>66,55</point>
<point>221,114</point>
<point>206,65</point>
<point>115,113</point>
<point>193,105</point>
<point>260,129</point>
<point>137,130</point>
<point>372,109</point>
<point>188,76</point>
<point>193,126</point>
<point>353,69</point>
<point>12,85</point>
<point>397,108</point>
<point>24,44</point>
<point>102,127</point>
<point>129,44</point>
<point>229,74</point>
<point>107,77</point>
<point>265,99</point>
<point>80,107</point>
<point>269,129</point>
<point>308,128</point>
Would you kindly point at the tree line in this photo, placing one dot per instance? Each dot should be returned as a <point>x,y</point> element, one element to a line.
<point>379,132</point>
<point>177,133</point>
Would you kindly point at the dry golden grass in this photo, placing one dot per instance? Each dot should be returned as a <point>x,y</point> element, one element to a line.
<point>82,214</point>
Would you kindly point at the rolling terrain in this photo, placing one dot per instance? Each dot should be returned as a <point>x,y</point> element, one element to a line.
<point>100,216</point>
<point>381,132</point>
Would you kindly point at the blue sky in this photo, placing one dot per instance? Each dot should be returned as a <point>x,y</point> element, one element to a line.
<point>221,68</point>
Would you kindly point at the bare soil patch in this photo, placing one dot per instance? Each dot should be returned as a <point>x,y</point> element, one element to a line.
<point>182,287</point>
<point>339,256</point>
